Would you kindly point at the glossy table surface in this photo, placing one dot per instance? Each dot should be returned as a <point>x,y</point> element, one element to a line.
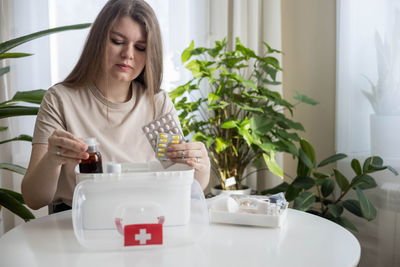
<point>303,240</point>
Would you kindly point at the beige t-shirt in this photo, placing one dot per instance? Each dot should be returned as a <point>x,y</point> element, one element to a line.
<point>84,113</point>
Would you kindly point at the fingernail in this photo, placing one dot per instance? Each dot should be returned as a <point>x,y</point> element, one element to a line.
<point>83,148</point>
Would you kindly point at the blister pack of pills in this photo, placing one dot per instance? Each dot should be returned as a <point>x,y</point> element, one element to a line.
<point>160,133</point>
<point>163,140</point>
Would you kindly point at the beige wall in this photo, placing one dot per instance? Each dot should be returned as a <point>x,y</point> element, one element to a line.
<point>309,46</point>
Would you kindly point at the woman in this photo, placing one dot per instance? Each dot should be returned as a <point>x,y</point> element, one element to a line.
<point>111,93</point>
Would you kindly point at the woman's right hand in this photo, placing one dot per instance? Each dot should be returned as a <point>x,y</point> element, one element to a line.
<point>65,148</point>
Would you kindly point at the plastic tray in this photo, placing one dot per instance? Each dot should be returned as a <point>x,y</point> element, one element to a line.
<point>219,213</point>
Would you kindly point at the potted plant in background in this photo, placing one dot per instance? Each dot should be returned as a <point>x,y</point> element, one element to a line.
<point>239,118</point>
<point>385,96</point>
<point>322,193</point>
<point>9,199</point>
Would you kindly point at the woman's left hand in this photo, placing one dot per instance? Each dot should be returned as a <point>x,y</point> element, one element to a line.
<point>195,155</point>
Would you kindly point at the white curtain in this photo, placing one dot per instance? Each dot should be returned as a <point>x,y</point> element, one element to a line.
<point>358,21</point>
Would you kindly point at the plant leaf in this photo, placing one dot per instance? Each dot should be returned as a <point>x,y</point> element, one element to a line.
<point>356,166</point>
<point>13,168</point>
<point>14,111</point>
<point>304,202</point>
<point>22,137</point>
<point>353,206</point>
<point>14,194</point>
<point>33,96</point>
<point>305,99</point>
<point>332,159</point>
<point>309,150</point>
<point>212,97</point>
<point>341,180</point>
<point>229,124</point>
<point>305,159</point>
<point>390,168</point>
<point>12,204</point>
<point>4,70</point>
<point>5,46</point>
<point>14,55</point>
<point>221,145</point>
<point>327,187</point>
<point>364,182</point>
<point>273,165</point>
<point>186,54</point>
<point>346,223</point>
<point>303,182</point>
<point>321,175</point>
<point>335,210</point>
<point>367,209</point>
<point>292,192</point>
<point>369,162</point>
<point>277,189</point>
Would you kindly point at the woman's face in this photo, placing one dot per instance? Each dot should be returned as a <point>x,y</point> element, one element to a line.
<point>125,51</point>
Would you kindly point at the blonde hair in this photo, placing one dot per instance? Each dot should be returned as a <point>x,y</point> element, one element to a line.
<point>89,65</point>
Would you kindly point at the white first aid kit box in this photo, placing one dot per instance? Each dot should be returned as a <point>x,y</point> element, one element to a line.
<point>142,194</point>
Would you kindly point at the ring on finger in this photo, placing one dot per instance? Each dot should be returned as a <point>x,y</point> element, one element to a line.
<point>182,154</point>
<point>58,151</point>
<point>197,160</point>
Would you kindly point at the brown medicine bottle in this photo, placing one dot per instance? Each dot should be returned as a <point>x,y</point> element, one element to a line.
<point>93,164</point>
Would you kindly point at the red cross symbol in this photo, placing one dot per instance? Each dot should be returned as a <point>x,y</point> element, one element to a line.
<point>143,234</point>
<point>142,237</point>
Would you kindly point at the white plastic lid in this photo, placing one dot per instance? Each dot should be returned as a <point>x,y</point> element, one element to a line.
<point>92,144</point>
<point>90,141</point>
<point>113,167</point>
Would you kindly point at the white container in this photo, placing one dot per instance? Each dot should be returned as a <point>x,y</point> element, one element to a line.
<point>144,196</point>
<point>385,131</point>
<point>221,210</point>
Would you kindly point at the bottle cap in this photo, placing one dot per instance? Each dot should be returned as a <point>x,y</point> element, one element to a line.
<point>90,141</point>
<point>114,167</point>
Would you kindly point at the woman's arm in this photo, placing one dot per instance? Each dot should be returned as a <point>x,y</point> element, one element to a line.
<point>40,181</point>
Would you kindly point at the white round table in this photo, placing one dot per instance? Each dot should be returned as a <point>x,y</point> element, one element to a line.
<point>304,240</point>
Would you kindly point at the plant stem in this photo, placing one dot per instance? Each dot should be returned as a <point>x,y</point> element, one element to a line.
<point>340,198</point>
<point>262,169</point>
<point>320,197</point>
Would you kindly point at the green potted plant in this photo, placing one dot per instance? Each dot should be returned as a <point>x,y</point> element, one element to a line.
<point>9,199</point>
<point>323,193</point>
<point>239,118</point>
